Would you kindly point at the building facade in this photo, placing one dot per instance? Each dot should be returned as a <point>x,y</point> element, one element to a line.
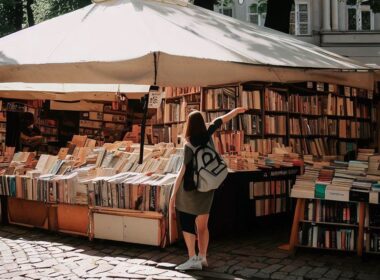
<point>347,27</point>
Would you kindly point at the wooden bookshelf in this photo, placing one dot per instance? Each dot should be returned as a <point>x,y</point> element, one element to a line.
<point>106,126</point>
<point>299,219</point>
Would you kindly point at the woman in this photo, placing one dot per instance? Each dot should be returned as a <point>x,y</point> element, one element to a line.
<point>193,206</point>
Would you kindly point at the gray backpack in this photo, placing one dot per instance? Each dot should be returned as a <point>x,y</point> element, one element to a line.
<point>210,170</point>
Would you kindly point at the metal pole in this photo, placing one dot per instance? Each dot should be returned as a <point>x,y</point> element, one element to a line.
<point>142,140</point>
<point>145,108</point>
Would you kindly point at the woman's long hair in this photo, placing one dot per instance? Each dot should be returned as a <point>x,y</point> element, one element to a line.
<point>196,131</point>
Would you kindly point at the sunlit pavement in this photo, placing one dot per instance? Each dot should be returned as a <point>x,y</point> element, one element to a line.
<point>36,254</point>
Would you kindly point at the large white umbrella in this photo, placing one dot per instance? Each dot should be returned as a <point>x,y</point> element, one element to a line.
<point>165,43</point>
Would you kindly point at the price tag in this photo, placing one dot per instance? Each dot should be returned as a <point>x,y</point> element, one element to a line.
<point>155,98</point>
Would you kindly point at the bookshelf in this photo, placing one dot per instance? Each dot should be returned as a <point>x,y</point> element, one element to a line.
<point>106,126</point>
<point>3,125</point>
<point>313,118</point>
<point>339,118</point>
<point>314,229</point>
<point>168,123</point>
<point>372,229</point>
<point>338,206</point>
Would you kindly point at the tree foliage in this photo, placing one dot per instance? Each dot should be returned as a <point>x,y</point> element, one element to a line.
<point>18,14</point>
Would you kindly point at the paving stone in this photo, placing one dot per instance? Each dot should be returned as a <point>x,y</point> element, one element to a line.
<point>136,261</point>
<point>257,257</point>
<point>366,276</point>
<point>333,274</point>
<point>289,268</point>
<point>160,277</point>
<point>66,248</point>
<point>272,268</point>
<point>101,268</point>
<point>291,277</point>
<point>45,263</point>
<point>25,267</point>
<point>302,271</point>
<point>12,275</point>
<point>277,255</point>
<point>273,261</point>
<point>126,275</point>
<point>316,272</point>
<point>149,271</point>
<point>279,275</point>
<point>348,274</point>
<point>174,274</point>
<point>10,266</point>
<point>221,269</point>
<point>234,268</point>
<point>246,272</point>
<point>316,263</point>
<point>261,274</point>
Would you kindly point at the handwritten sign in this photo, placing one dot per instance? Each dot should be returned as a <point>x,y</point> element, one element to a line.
<point>155,98</point>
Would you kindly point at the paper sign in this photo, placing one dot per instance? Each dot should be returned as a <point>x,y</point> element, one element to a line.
<point>155,98</point>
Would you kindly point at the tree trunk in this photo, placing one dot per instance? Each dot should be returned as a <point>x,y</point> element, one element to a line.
<point>18,15</point>
<point>278,15</point>
<point>29,11</point>
<point>207,4</point>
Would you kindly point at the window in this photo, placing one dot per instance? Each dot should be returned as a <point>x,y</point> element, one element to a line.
<point>225,7</point>
<point>257,12</point>
<point>359,16</point>
<point>300,19</point>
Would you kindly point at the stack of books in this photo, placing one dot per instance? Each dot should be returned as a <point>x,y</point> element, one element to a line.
<point>304,186</point>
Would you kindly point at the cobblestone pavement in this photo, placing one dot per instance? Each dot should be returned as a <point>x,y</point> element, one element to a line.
<point>36,254</point>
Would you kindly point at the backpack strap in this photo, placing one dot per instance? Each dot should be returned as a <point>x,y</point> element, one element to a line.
<point>195,166</point>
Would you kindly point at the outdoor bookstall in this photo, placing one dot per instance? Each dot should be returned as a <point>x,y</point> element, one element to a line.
<point>175,44</point>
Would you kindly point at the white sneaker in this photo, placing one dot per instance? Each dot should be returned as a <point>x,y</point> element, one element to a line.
<point>193,263</point>
<point>203,261</point>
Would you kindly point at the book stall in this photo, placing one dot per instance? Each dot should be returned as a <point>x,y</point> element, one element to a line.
<point>94,192</point>
<point>305,104</point>
<point>114,197</point>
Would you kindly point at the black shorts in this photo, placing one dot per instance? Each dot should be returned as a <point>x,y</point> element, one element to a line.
<point>187,222</point>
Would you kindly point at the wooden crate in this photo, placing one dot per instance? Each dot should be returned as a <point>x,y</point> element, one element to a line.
<point>28,213</point>
<point>71,219</point>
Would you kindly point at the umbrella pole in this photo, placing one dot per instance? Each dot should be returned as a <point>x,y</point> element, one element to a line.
<point>142,140</point>
<point>145,108</point>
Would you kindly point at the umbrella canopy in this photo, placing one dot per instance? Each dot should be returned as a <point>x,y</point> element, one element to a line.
<point>70,92</point>
<point>165,43</point>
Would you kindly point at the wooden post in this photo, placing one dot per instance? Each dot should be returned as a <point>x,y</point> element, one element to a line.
<point>360,240</point>
<point>53,217</point>
<point>298,215</point>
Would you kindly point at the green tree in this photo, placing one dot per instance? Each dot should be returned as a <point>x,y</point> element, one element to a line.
<point>11,16</point>
<point>18,14</point>
<point>47,9</point>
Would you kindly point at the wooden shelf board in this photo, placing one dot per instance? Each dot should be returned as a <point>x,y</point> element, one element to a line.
<point>328,249</point>
<point>182,95</point>
<point>329,223</point>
